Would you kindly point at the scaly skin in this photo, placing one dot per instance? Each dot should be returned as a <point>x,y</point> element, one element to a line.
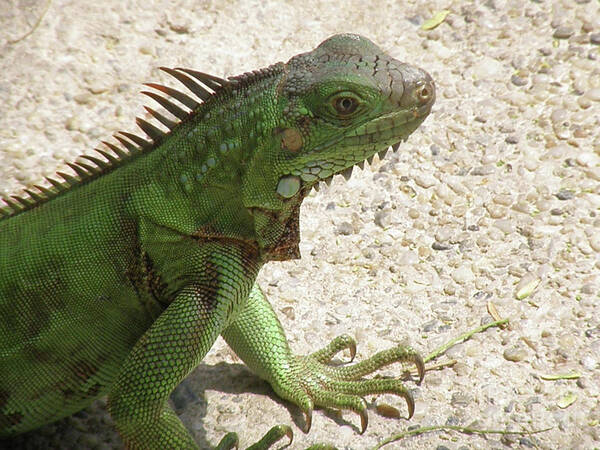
<point>119,280</point>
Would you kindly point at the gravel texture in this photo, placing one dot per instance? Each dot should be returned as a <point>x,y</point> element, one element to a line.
<point>495,199</point>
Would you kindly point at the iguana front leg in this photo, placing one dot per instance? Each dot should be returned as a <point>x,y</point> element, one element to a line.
<point>219,279</point>
<point>308,381</point>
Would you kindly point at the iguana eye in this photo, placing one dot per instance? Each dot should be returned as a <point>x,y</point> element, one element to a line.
<point>345,105</point>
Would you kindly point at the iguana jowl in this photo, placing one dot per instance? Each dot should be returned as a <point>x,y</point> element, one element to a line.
<point>118,280</point>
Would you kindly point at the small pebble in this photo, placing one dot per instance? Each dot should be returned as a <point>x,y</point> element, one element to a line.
<point>439,246</point>
<point>518,81</point>
<point>495,211</point>
<point>463,274</point>
<point>407,258</point>
<point>482,170</point>
<point>565,194</point>
<point>383,219</point>
<point>594,241</point>
<point>505,225</point>
<point>589,363</point>
<point>525,442</point>
<point>83,98</point>
<point>344,228</point>
<point>444,234</point>
<point>425,181</point>
<point>588,159</point>
<point>97,88</point>
<point>593,94</point>
<point>563,32</point>
<point>453,421</point>
<point>514,354</point>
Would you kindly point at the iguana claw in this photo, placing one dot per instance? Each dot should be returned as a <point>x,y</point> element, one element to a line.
<point>364,420</point>
<point>420,368</point>
<point>307,420</point>
<point>410,403</point>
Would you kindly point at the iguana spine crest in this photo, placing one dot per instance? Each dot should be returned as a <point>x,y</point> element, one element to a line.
<point>132,145</point>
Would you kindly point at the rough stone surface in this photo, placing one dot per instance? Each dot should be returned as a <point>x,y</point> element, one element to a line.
<point>503,177</point>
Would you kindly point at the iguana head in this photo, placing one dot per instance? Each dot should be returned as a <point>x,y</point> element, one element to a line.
<point>339,105</point>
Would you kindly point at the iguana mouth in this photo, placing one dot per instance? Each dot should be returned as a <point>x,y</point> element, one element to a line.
<point>387,131</point>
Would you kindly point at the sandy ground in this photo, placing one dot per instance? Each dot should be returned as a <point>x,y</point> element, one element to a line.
<point>498,191</point>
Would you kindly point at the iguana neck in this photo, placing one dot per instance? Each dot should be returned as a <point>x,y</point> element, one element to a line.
<point>198,180</point>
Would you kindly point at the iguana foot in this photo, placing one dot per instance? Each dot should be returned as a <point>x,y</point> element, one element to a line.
<point>230,440</point>
<point>311,381</point>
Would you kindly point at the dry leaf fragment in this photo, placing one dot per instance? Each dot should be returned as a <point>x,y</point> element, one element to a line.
<point>566,401</point>
<point>436,20</point>
<point>527,285</point>
<point>564,376</point>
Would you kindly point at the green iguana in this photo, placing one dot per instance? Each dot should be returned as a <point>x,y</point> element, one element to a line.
<point>118,279</point>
